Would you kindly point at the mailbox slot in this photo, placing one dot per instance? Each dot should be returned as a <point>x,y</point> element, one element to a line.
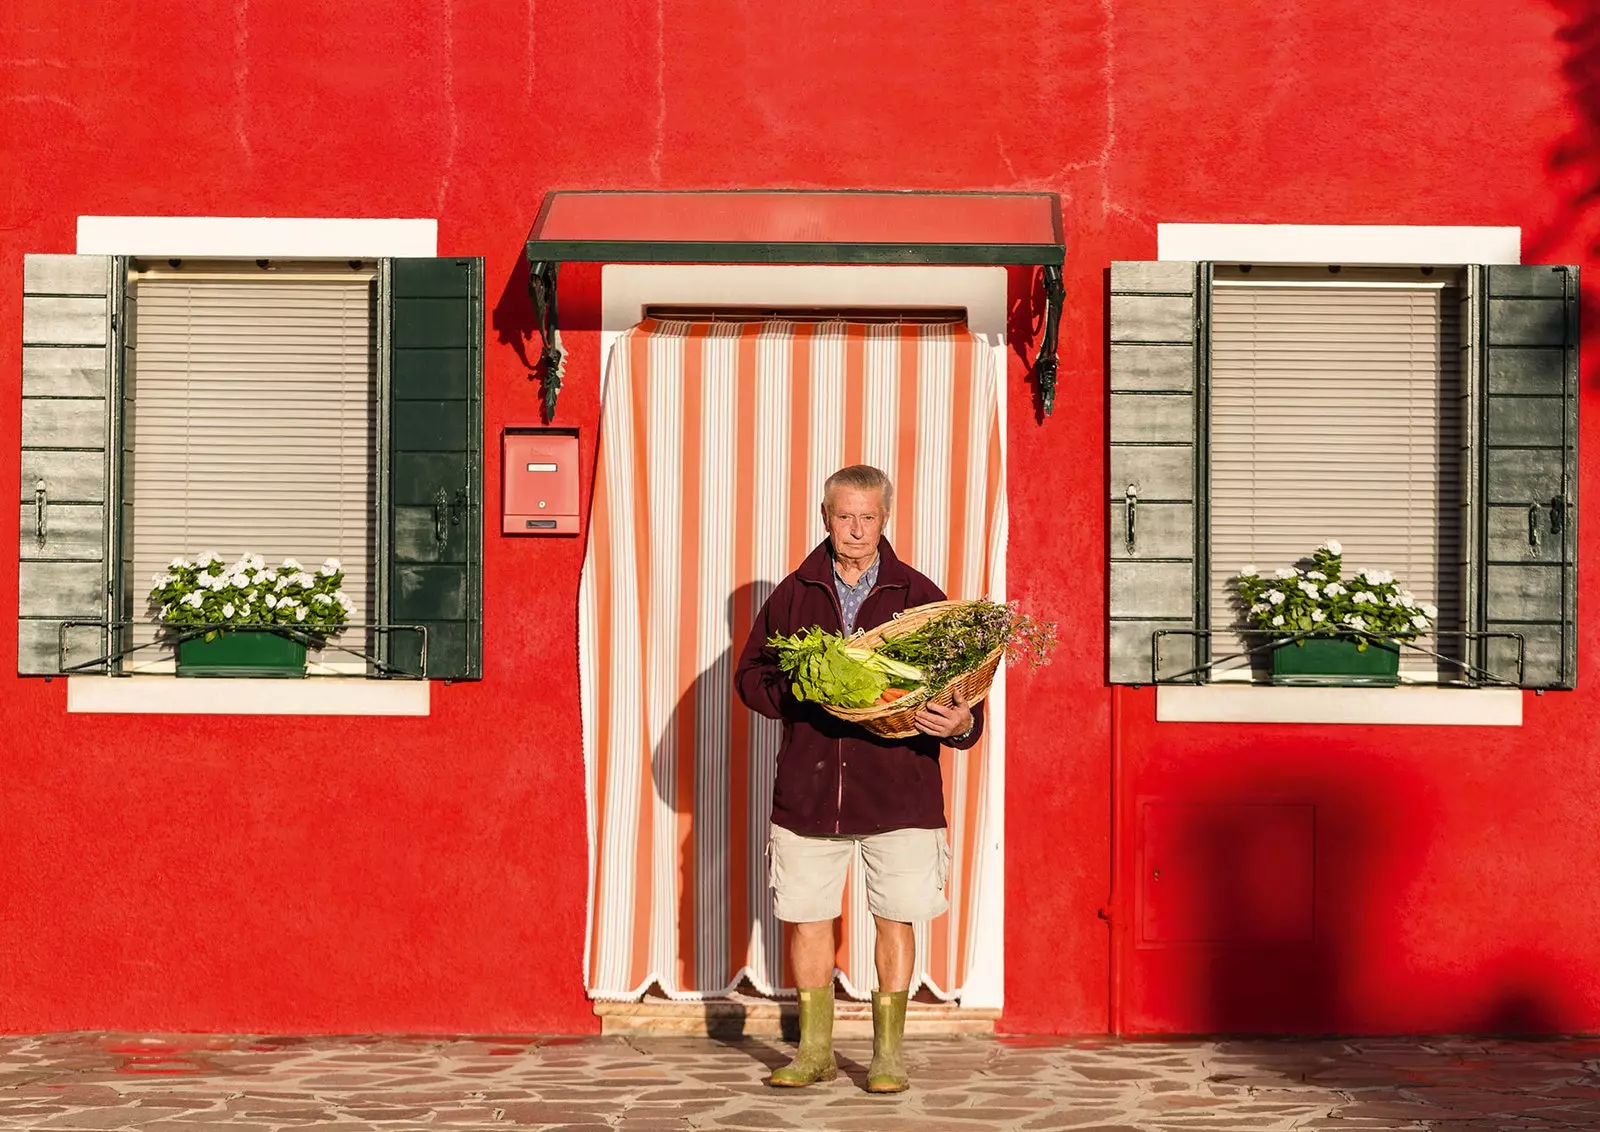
<point>540,470</point>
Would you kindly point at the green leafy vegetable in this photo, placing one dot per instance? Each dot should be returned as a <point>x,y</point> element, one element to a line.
<point>825,668</point>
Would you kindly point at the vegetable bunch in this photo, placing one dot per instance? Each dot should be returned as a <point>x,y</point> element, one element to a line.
<point>827,668</point>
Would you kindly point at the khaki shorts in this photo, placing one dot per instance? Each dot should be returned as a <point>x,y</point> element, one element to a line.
<point>906,873</point>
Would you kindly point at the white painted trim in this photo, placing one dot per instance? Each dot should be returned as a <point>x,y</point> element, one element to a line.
<point>156,695</point>
<point>1433,707</point>
<point>626,289</point>
<point>1339,243</point>
<point>255,237</point>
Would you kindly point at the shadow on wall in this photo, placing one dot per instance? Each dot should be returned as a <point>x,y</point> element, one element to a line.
<point>1574,164</point>
<point>1285,912</point>
<point>697,729</point>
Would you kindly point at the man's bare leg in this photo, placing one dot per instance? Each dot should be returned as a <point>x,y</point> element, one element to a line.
<point>811,953</point>
<point>811,957</point>
<point>896,955</point>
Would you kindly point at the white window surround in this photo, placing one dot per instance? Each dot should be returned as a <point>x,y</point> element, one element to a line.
<point>1421,245</point>
<point>626,289</point>
<point>246,237</point>
<point>251,238</point>
<point>1343,244</point>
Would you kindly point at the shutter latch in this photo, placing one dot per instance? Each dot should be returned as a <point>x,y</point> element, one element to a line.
<point>41,505</point>
<point>1132,517</point>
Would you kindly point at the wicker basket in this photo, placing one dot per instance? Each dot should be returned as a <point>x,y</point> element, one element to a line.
<point>893,719</point>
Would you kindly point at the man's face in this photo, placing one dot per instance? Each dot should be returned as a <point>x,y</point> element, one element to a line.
<point>854,519</point>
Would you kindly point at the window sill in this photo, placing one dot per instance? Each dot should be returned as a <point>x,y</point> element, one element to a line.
<point>1433,707</point>
<point>155,695</point>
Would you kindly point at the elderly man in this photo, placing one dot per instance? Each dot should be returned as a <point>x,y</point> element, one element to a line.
<point>839,787</point>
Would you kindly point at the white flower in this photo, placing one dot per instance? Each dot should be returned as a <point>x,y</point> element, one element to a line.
<point>179,564</point>
<point>290,564</point>
<point>227,609</point>
<point>1356,621</point>
<point>208,558</point>
<point>1365,597</point>
<point>1420,621</point>
<point>1316,616</point>
<point>1429,611</point>
<point>1278,620</point>
<point>324,599</point>
<point>288,603</point>
<point>270,602</point>
<point>283,580</point>
<point>304,579</point>
<point>1275,597</point>
<point>1317,575</point>
<point>332,567</point>
<point>300,613</point>
<point>1394,601</point>
<point>1333,547</point>
<point>1334,589</point>
<point>196,599</point>
<point>166,611</point>
<point>1281,573</point>
<point>344,603</point>
<point>1311,589</point>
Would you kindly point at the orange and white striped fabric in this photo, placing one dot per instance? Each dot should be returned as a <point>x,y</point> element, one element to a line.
<point>715,440</point>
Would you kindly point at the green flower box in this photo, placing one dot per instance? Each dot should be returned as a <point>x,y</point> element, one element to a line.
<point>1335,660</point>
<point>242,652</point>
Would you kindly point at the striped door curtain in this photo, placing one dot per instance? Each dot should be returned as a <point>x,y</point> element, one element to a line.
<point>715,441</point>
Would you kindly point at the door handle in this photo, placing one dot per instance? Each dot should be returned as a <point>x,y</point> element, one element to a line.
<point>441,515</point>
<point>41,508</point>
<point>1132,505</point>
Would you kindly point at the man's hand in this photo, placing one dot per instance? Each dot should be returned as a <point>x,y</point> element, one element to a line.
<point>943,722</point>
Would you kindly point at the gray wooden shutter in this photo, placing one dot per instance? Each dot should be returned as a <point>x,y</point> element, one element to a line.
<point>431,387</point>
<point>1527,400</point>
<point>68,355</point>
<point>1156,440</point>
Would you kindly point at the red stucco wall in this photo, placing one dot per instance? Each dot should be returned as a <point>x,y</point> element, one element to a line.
<point>420,875</point>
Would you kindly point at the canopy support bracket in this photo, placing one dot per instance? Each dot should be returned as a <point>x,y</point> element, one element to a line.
<point>1046,364</point>
<point>552,354</point>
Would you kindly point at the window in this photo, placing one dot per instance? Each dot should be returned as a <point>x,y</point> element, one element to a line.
<point>1425,418</point>
<point>309,410</point>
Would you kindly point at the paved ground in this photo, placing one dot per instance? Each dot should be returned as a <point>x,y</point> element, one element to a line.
<point>106,1082</point>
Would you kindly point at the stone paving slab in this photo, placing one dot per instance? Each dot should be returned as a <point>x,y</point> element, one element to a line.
<point>120,1083</point>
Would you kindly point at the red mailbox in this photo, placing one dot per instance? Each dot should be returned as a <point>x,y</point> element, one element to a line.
<point>540,469</point>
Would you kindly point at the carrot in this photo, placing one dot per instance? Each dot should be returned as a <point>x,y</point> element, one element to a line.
<point>892,694</point>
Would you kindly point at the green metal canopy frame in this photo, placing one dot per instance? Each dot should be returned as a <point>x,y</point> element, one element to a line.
<point>766,226</point>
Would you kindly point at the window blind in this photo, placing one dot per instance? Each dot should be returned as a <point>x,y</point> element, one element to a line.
<point>250,427</point>
<point>1336,414</point>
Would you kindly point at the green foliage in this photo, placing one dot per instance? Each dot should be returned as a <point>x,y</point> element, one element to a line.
<point>206,593</point>
<point>826,668</point>
<point>1319,601</point>
<point>957,641</point>
<point>821,668</point>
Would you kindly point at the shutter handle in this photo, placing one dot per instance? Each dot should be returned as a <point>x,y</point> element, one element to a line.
<point>1558,513</point>
<point>1533,526</point>
<point>41,506</point>
<point>441,512</point>
<point>1133,517</point>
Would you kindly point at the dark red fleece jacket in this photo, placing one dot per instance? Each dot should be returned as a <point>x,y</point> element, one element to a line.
<point>835,777</point>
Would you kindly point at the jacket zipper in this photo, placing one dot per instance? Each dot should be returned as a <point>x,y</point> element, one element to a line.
<point>838,801</point>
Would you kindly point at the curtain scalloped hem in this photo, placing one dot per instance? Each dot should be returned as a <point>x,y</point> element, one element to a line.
<point>782,993</point>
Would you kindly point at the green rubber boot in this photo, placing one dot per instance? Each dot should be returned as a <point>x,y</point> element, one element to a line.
<point>887,1073</point>
<point>814,1062</point>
